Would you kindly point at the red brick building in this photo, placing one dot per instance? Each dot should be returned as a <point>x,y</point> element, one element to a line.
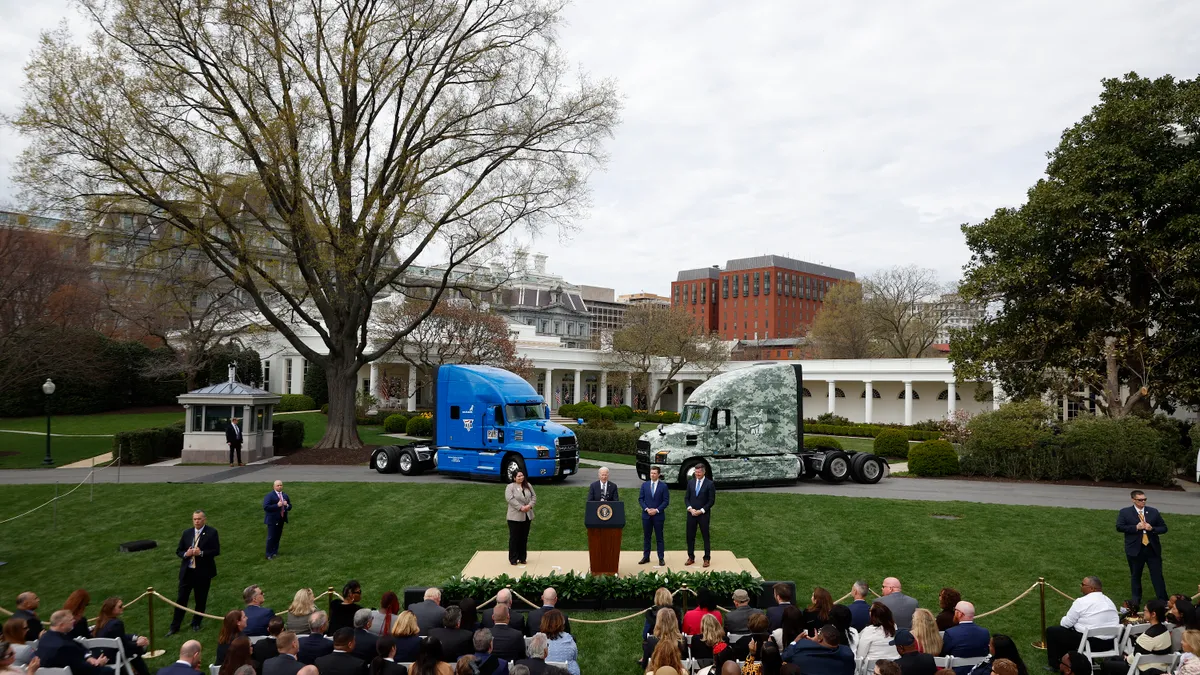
<point>756,298</point>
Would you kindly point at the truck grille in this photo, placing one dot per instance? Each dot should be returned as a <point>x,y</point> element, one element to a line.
<point>643,450</point>
<point>565,442</point>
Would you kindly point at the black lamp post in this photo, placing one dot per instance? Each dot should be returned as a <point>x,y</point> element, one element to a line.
<point>48,389</point>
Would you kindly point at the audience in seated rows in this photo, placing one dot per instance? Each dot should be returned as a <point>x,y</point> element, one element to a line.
<point>487,662</point>
<point>508,642</point>
<point>948,599</point>
<point>300,612</point>
<point>783,600</point>
<point>706,605</point>
<point>110,625</point>
<point>8,657</point>
<point>965,639</point>
<point>822,655</point>
<point>57,649</point>
<point>268,647</point>
<point>666,629</point>
<point>284,662</point>
<point>535,659</point>
<point>902,606</point>
<point>842,620</point>
<point>470,615</point>
<point>875,641</point>
<point>342,610</point>
<point>709,641</point>
<point>257,616</point>
<point>735,619</point>
<point>666,654</point>
<point>237,654</point>
<point>1093,609</point>
<point>27,604</point>
<point>315,645</point>
<point>429,611</point>
<point>190,660</point>
<point>383,618</point>
<point>791,625</point>
<point>1001,648</point>
<point>14,634</point>
<point>456,641</point>
<point>364,639</point>
<point>233,626</point>
<point>817,612</point>
<point>549,602</point>
<point>77,604</point>
<point>860,609</point>
<point>341,661</point>
<point>408,635</point>
<point>757,635</point>
<point>925,630</point>
<point>561,647</point>
<point>515,620</point>
<point>912,660</point>
<point>385,659</point>
<point>1191,653</point>
<point>662,600</point>
<point>1155,641</point>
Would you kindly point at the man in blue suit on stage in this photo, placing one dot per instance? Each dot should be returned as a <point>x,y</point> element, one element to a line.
<point>701,494</point>
<point>276,506</point>
<point>653,499</point>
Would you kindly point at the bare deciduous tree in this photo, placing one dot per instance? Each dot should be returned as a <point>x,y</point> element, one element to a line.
<point>842,329</point>
<point>897,303</point>
<point>351,138</point>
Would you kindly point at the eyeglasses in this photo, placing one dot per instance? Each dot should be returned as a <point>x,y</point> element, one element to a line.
<point>1140,500</point>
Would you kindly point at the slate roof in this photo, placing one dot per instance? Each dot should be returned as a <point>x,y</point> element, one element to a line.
<point>229,389</point>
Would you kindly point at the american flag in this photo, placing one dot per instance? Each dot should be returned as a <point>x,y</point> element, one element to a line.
<point>557,397</point>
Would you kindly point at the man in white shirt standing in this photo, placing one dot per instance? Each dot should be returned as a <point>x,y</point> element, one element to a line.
<point>1092,610</point>
<point>653,499</point>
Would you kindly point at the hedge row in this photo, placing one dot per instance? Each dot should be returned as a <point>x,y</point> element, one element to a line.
<point>933,458</point>
<point>295,403</point>
<point>289,434</point>
<point>419,426</point>
<point>870,430</point>
<point>147,446</point>
<point>616,441</point>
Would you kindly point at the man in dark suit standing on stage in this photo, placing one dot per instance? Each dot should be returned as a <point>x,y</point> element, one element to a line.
<point>233,436</point>
<point>1141,525</point>
<point>700,497</point>
<point>602,490</point>
<point>198,549</point>
<point>276,506</point>
<point>653,498</point>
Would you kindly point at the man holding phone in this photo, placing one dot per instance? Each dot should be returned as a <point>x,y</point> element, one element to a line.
<point>276,506</point>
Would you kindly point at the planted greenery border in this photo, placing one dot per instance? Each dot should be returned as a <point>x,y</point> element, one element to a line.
<point>583,587</point>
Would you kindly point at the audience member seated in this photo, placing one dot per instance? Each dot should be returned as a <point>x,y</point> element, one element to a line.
<point>456,641</point>
<point>268,647</point>
<point>912,660</point>
<point>841,618</point>
<point>383,618</point>
<point>190,660</point>
<point>429,611</point>
<point>738,650</point>
<point>487,662</point>
<point>14,634</point>
<point>1001,648</point>
<point>902,606</point>
<point>232,628</point>
<point>875,641</point>
<point>1156,640</point>
<point>237,654</point>
<point>735,619</point>
<point>710,641</point>
<point>27,604</point>
<point>1004,667</point>
<point>508,642</point>
<point>408,636</point>
<point>706,605</point>
<point>561,647</point>
<point>948,599</point>
<point>470,615</point>
<point>535,660</point>
<point>58,649</point>
<point>824,655</point>
<point>364,639</point>
<point>1092,610</point>
<point>817,613</point>
<point>1190,661</point>
<point>662,600</point>
<point>342,611</point>
<point>860,609</point>
<point>1074,663</point>
<point>285,661</point>
<point>257,616</point>
<point>110,625</point>
<point>384,662</point>
<point>666,628</point>
<point>341,661</point>
<point>549,602</point>
<point>783,600</point>
<point>315,645</point>
<point>665,655</point>
<point>791,626</point>
<point>925,630</point>
<point>77,604</point>
<point>300,611</point>
<point>886,668</point>
<point>966,639</point>
<point>515,619</point>
<point>7,658</point>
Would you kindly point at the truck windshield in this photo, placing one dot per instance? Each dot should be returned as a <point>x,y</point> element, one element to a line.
<point>520,413</point>
<point>694,414</point>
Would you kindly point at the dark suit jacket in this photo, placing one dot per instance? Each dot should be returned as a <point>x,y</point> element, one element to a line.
<point>967,640</point>
<point>408,647</point>
<point>313,647</point>
<point>364,644</point>
<point>860,614</point>
<point>393,668</point>
<point>257,619</point>
<point>775,616</point>
<point>340,663</point>
<point>539,667</point>
<point>1127,522</point>
<point>280,664</point>
<point>58,650</point>
<point>210,548</point>
<point>704,500</point>
<point>489,664</point>
<point>515,619</point>
<point>735,620</point>
<point>429,615</point>
<point>660,500</point>
<point>815,659</point>
<point>508,643</point>
<point>232,436</point>
<point>456,642</point>
<point>33,625</point>
<point>115,628</point>
<point>610,492</point>
<point>534,624</point>
<point>341,615</point>
<point>273,515</point>
<point>177,668</point>
<point>262,651</point>
<point>916,663</point>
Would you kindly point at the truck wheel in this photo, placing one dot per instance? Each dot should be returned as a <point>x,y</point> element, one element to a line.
<point>869,470</point>
<point>406,461</point>
<point>690,466</point>
<point>836,467</point>
<point>384,459</point>
<point>513,464</point>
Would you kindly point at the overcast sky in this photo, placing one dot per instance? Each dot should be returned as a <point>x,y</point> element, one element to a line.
<point>855,134</point>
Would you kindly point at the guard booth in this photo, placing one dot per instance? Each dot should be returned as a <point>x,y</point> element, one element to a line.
<point>208,412</point>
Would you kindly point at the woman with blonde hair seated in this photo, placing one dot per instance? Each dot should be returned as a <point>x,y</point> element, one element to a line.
<point>666,629</point>
<point>925,630</point>
<point>408,636</point>
<point>710,641</point>
<point>298,613</point>
<point>1191,650</point>
<point>665,655</point>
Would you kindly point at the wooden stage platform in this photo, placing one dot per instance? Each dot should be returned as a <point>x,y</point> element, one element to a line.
<point>491,564</point>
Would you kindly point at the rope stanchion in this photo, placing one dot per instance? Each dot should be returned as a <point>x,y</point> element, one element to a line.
<point>57,497</point>
<point>1010,603</point>
<point>1042,593</point>
<point>1072,599</point>
<point>189,610</point>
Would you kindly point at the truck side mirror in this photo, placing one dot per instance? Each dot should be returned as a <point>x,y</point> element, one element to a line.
<point>547,411</point>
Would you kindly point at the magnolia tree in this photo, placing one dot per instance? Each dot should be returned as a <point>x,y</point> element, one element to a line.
<point>314,151</point>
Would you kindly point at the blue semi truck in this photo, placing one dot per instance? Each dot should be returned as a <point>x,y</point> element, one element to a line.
<point>487,423</point>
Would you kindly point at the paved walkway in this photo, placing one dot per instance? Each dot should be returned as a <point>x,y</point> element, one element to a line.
<point>920,489</point>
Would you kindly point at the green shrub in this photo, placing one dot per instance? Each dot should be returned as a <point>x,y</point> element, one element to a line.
<point>621,413</point>
<point>1128,450</point>
<point>891,443</point>
<point>833,420</point>
<point>325,409</point>
<point>295,403</point>
<point>933,458</point>
<point>289,435</point>
<point>421,427</point>
<point>141,446</point>
<point>601,423</point>
<point>395,424</point>
<point>173,441</point>
<point>814,442</point>
<point>316,386</point>
<point>662,417</point>
<point>617,441</point>
<point>567,410</point>
<point>1014,441</point>
<point>869,430</point>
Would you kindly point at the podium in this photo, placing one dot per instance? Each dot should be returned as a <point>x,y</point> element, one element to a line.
<point>604,521</point>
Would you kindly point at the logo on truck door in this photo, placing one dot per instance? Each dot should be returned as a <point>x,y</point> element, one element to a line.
<point>468,423</point>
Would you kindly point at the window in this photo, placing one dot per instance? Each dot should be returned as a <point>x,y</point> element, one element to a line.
<point>766,283</point>
<point>874,394</point>
<point>789,353</point>
<point>304,366</point>
<point>725,287</point>
<point>704,294</point>
<point>916,396</point>
<point>366,386</point>
<point>455,412</point>
<point>287,371</point>
<point>805,393</point>
<point>266,368</point>
<point>756,280</point>
<point>944,395</point>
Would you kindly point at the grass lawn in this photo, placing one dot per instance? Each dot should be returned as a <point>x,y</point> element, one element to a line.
<point>104,423</point>
<point>64,450</point>
<point>390,536</point>
<point>609,457</point>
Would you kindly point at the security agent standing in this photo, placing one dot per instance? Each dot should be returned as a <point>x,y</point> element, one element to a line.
<point>233,437</point>
<point>653,498</point>
<point>1141,525</point>
<point>700,497</point>
<point>276,505</point>
<point>198,548</point>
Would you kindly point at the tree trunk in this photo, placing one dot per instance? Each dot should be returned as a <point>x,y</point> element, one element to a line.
<point>341,430</point>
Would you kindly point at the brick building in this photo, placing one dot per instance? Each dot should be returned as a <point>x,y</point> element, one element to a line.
<point>756,298</point>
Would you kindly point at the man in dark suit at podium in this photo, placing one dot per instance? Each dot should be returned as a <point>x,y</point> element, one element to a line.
<point>699,501</point>
<point>653,498</point>
<point>602,490</point>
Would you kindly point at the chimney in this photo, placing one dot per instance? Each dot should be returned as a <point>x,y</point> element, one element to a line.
<point>520,260</point>
<point>539,262</point>
<point>232,373</point>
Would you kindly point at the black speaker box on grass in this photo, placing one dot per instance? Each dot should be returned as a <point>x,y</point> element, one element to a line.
<point>139,545</point>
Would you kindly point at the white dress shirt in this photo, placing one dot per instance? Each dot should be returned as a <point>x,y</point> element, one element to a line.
<point>1091,611</point>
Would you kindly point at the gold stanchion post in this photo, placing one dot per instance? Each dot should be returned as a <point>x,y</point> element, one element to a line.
<point>331,600</point>
<point>684,591</point>
<point>150,613</point>
<point>1042,594</point>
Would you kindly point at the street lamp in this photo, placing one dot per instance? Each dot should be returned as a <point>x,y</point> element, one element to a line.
<point>48,389</point>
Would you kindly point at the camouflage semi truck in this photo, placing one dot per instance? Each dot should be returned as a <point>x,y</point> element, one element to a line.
<point>747,426</point>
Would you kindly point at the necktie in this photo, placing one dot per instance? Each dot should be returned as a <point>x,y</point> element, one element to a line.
<point>603,492</point>
<point>1145,536</point>
<point>698,484</point>
<point>652,486</point>
<point>195,543</point>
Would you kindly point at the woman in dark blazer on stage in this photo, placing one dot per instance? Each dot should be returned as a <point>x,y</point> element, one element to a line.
<point>520,497</point>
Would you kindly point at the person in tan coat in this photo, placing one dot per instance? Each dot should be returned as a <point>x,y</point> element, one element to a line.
<point>521,498</point>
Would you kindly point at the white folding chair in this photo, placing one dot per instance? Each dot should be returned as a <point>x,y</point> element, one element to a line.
<point>963,661</point>
<point>406,664</point>
<point>734,637</point>
<point>527,641</point>
<point>110,643</point>
<point>256,638</point>
<point>1177,638</point>
<point>214,669</point>
<point>943,661</point>
<point>560,664</point>
<point>1131,633</point>
<point>65,670</point>
<point>1114,633</point>
<point>1166,661</point>
<point>865,666</point>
